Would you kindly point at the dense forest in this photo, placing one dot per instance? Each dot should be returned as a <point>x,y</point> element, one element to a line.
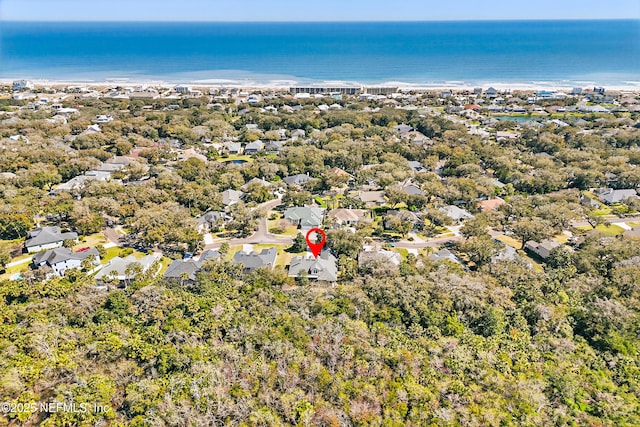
<point>502,342</point>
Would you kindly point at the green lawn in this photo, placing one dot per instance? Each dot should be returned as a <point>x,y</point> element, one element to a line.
<point>402,251</point>
<point>633,224</point>
<point>611,230</point>
<point>117,251</point>
<point>508,240</point>
<point>164,264</point>
<point>272,223</point>
<point>91,241</point>
<point>320,201</point>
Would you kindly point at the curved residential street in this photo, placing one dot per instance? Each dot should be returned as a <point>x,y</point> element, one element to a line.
<point>262,235</point>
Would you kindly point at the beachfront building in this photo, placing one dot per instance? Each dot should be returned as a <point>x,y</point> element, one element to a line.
<point>345,90</point>
<point>23,85</point>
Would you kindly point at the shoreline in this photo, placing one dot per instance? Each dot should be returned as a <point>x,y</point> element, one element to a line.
<point>285,84</point>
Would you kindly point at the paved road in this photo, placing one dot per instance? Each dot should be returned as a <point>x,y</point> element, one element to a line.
<point>432,243</point>
<point>22,261</point>
<point>262,235</point>
<point>609,220</point>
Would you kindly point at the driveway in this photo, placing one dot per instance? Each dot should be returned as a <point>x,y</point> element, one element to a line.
<point>261,236</point>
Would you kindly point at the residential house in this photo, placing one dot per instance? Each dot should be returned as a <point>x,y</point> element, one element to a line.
<point>416,166</point>
<point>416,137</point>
<point>43,238</point>
<point>402,129</point>
<point>254,147</point>
<point>103,118</point>
<point>273,147</point>
<point>445,255</point>
<point>262,182</point>
<point>411,189</point>
<point>403,215</point>
<point>491,93</point>
<point>123,270</point>
<point>253,260</point>
<point>491,204</point>
<point>388,259</point>
<point>542,249</point>
<point>211,221</point>
<point>233,148</point>
<point>611,196</point>
<point>498,183</point>
<point>191,153</point>
<point>62,259</point>
<point>298,180</point>
<point>456,214</point>
<point>305,217</point>
<point>185,270</point>
<point>231,197</point>
<point>506,253</point>
<point>343,174</point>
<point>507,136</point>
<point>372,198</point>
<point>348,217</point>
<point>23,85</point>
<point>321,269</point>
<point>298,133</point>
<point>589,202</point>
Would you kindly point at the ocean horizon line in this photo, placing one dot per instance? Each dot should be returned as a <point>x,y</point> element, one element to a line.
<point>284,84</point>
<point>605,52</point>
<point>448,21</point>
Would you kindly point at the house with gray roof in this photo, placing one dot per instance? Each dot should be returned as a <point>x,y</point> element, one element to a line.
<point>121,269</point>
<point>44,238</point>
<point>298,180</point>
<point>416,166</point>
<point>411,189</point>
<point>402,129</point>
<point>445,255</point>
<point>381,257</point>
<point>611,196</point>
<point>254,260</point>
<point>542,249</point>
<point>456,214</point>
<point>273,147</point>
<point>260,181</point>
<point>322,269</point>
<point>298,133</point>
<point>233,147</point>
<point>185,270</point>
<point>231,197</point>
<point>212,220</point>
<point>254,147</point>
<point>305,217</point>
<point>62,259</point>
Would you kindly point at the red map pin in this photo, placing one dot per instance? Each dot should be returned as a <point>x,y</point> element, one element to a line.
<point>316,248</point>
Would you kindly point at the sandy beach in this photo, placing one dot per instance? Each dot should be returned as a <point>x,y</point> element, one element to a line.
<point>286,84</point>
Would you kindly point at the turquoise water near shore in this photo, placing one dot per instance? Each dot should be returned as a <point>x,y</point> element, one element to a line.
<point>453,53</point>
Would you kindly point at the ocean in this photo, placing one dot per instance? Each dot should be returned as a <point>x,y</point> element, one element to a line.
<point>426,53</point>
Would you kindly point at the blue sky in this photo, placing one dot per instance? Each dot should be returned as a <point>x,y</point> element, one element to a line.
<point>314,10</point>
